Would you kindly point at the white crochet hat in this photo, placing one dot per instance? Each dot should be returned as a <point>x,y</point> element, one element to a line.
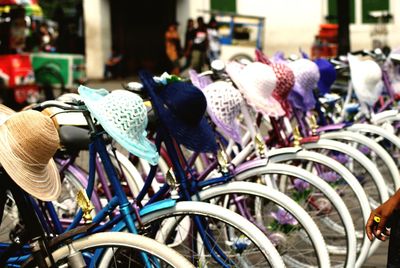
<point>223,106</point>
<point>366,77</point>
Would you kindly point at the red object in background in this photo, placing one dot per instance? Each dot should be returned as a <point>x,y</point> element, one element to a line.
<point>19,2</point>
<point>326,42</point>
<point>328,32</point>
<point>19,69</point>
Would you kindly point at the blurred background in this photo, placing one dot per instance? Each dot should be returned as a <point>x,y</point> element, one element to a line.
<point>67,42</point>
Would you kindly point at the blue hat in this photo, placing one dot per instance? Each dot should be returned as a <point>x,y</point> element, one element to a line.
<point>327,76</point>
<point>123,116</point>
<point>181,107</point>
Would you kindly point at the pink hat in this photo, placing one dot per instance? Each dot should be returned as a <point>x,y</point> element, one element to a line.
<point>284,85</point>
<point>256,81</point>
<point>285,79</point>
<point>223,106</point>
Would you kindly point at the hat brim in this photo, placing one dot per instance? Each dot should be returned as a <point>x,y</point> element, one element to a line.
<point>141,145</point>
<point>302,99</point>
<point>268,106</point>
<point>323,88</point>
<point>229,129</point>
<point>41,183</point>
<point>232,130</point>
<point>199,137</point>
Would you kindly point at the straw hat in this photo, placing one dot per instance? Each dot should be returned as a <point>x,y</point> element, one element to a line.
<point>28,141</point>
<point>199,81</point>
<point>284,79</point>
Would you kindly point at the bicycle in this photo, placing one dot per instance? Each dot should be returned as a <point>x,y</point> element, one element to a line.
<point>42,250</point>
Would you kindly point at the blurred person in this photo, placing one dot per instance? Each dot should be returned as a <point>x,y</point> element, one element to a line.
<point>214,47</point>
<point>17,32</point>
<point>113,66</point>
<point>199,46</point>
<point>189,37</point>
<point>173,47</point>
<point>46,38</point>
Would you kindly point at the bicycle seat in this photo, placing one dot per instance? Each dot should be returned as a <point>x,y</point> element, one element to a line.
<point>74,138</point>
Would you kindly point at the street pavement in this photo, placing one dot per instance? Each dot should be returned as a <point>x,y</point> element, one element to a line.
<point>378,260</point>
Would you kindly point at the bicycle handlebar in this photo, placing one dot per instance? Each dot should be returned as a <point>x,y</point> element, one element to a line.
<point>70,106</point>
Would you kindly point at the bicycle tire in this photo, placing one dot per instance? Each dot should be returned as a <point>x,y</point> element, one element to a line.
<point>282,155</point>
<point>119,240</point>
<point>388,161</point>
<point>267,251</point>
<point>321,185</point>
<point>315,237</point>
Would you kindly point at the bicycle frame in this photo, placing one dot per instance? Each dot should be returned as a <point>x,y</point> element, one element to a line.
<point>130,212</point>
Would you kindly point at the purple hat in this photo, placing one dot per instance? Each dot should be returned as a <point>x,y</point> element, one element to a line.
<point>223,103</point>
<point>306,75</point>
<point>327,76</point>
<point>279,56</point>
<point>200,82</point>
<point>181,107</point>
<point>223,106</point>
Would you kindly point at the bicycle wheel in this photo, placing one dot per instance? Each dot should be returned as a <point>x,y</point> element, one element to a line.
<point>289,227</point>
<point>382,159</point>
<point>127,171</point>
<point>66,206</point>
<point>118,249</point>
<point>211,236</point>
<point>386,138</point>
<point>10,219</point>
<point>363,168</point>
<point>316,197</point>
<point>345,183</point>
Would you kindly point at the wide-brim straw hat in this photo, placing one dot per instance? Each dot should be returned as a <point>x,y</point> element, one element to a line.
<point>28,141</point>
